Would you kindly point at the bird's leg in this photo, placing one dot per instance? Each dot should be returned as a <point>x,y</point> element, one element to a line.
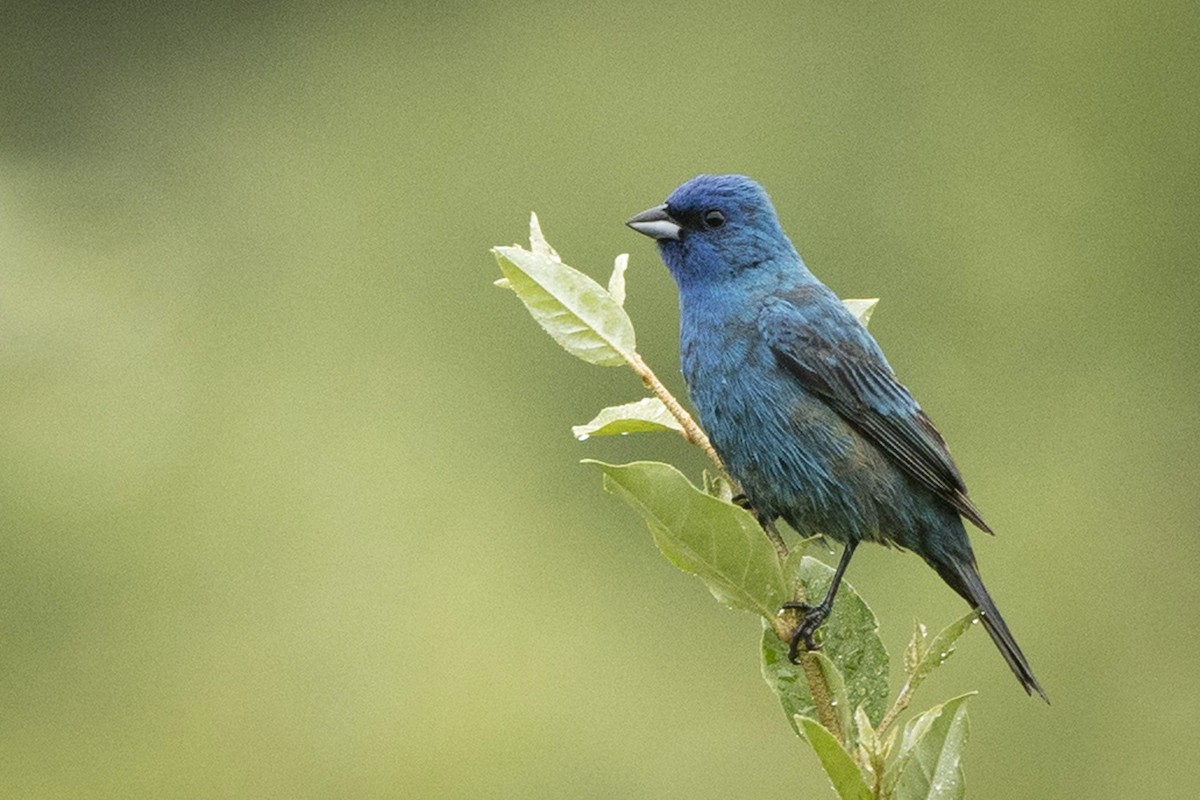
<point>813,616</point>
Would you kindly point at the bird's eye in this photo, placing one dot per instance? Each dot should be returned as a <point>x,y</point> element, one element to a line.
<point>713,218</point>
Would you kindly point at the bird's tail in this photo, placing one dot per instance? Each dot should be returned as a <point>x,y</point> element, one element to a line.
<point>963,577</point>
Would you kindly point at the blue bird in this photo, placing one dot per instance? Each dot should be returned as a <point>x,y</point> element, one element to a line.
<point>801,404</point>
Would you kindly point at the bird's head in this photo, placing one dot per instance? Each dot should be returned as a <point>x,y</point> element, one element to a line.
<point>715,228</point>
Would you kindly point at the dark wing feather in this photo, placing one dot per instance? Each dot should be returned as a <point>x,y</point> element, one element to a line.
<point>833,356</point>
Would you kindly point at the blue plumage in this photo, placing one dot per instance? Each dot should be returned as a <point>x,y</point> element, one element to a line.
<point>800,402</point>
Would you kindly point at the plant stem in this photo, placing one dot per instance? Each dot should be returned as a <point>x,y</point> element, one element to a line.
<point>781,548</point>
<point>822,699</point>
<point>691,431</point>
<point>814,676</point>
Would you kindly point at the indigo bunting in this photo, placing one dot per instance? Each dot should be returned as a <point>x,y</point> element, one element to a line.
<point>801,404</point>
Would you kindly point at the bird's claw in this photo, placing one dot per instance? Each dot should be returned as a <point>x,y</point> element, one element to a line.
<point>811,618</point>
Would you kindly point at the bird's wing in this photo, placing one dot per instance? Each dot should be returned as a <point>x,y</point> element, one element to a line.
<point>815,339</point>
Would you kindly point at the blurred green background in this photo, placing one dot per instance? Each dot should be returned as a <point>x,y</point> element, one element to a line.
<point>289,506</point>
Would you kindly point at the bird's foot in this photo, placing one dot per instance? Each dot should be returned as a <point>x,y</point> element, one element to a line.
<point>811,618</point>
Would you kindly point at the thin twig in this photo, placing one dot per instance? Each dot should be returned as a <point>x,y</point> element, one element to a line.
<point>814,676</point>
<point>822,699</point>
<point>691,431</point>
<point>768,526</point>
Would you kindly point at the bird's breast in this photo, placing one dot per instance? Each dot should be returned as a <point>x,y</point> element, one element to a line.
<point>793,456</point>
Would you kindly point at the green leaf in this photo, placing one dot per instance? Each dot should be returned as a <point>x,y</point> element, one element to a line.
<point>863,309</point>
<point>924,654</point>
<point>537,239</point>
<point>872,751</point>
<point>839,766</point>
<point>647,414</point>
<point>717,541</point>
<point>928,765</point>
<point>616,282</point>
<point>849,638</point>
<point>916,647</point>
<point>578,312</point>
<point>785,679</point>
<point>718,486</point>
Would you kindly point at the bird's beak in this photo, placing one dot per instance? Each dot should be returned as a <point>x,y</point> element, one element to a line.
<point>655,223</point>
